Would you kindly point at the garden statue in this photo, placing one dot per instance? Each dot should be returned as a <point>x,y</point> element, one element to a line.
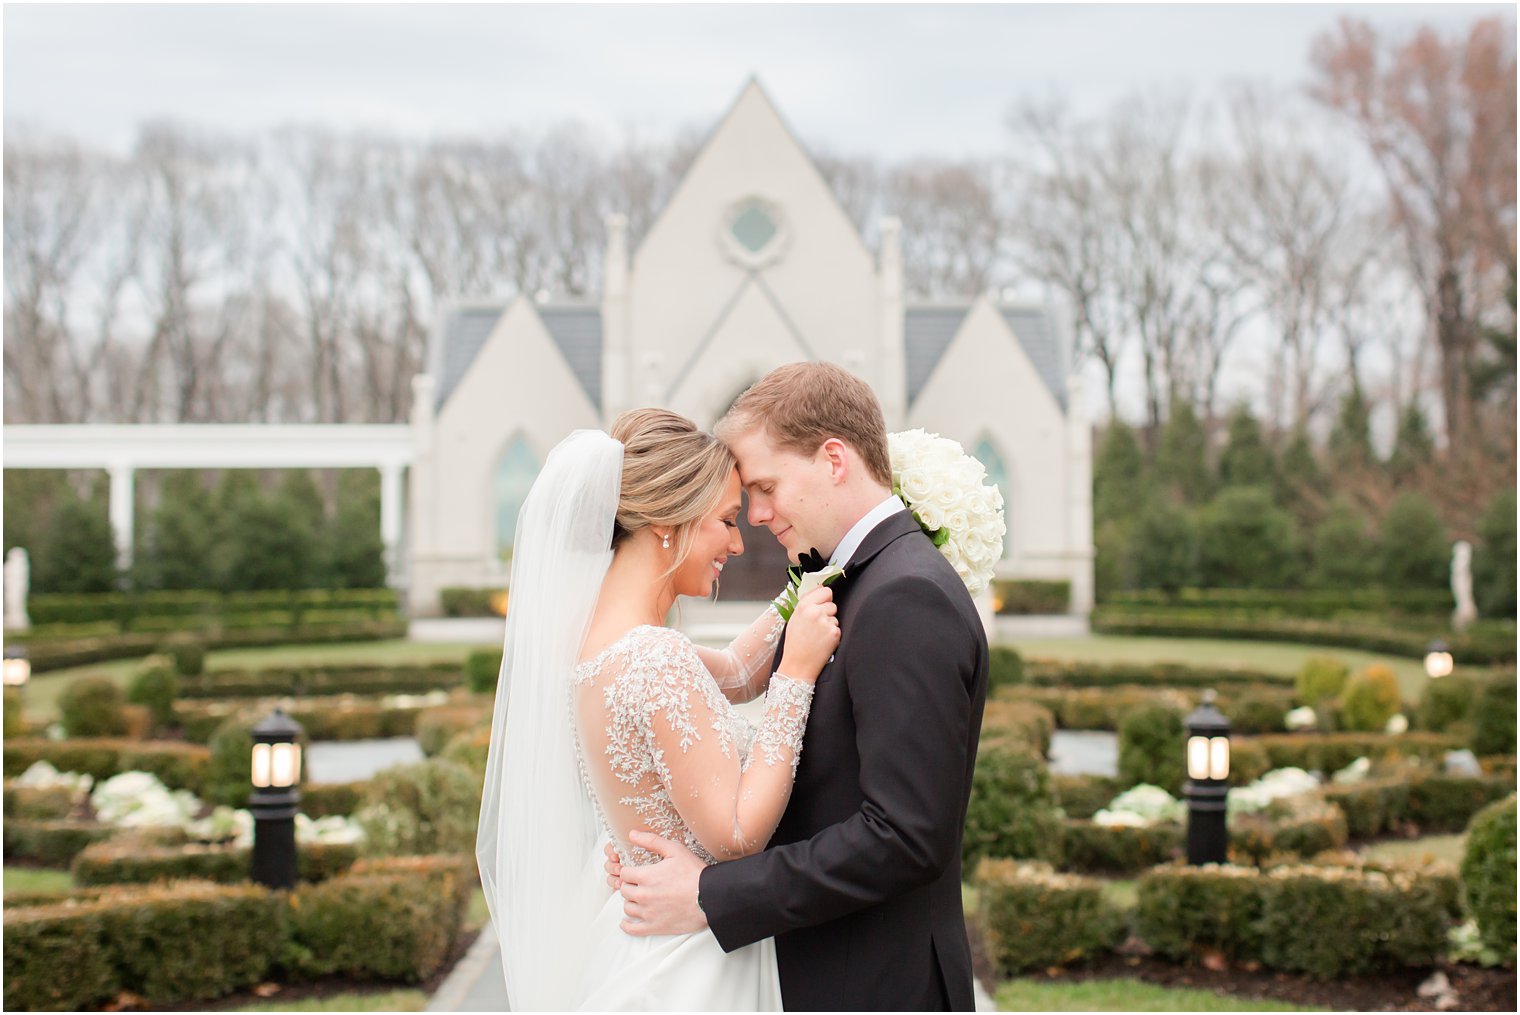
<point>1462,586</point>
<point>17,583</point>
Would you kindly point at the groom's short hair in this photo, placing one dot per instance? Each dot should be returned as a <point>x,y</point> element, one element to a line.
<point>801,405</point>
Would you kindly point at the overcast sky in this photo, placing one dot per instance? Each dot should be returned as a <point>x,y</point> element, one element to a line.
<point>893,81</point>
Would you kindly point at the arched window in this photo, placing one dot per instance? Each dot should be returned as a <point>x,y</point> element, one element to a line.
<point>997,472</point>
<point>514,477</point>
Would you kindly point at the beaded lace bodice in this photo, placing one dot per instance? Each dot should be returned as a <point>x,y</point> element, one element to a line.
<point>661,746</point>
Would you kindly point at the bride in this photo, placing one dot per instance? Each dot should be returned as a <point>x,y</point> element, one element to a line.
<point>606,721</point>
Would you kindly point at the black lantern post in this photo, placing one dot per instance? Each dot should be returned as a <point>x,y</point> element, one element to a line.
<point>18,668</point>
<point>275,799</point>
<point>1438,661</point>
<point>1207,789</point>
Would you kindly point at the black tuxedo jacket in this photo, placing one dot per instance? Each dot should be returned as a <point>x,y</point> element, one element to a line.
<point>861,884</point>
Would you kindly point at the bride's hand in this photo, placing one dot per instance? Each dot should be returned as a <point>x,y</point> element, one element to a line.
<point>812,635</point>
<point>613,867</point>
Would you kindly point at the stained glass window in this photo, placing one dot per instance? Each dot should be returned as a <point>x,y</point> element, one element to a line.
<point>514,477</point>
<point>997,472</point>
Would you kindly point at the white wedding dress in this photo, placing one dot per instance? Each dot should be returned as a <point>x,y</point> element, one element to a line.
<point>661,747</point>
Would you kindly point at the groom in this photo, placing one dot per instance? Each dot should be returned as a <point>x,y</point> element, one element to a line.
<point>861,884</point>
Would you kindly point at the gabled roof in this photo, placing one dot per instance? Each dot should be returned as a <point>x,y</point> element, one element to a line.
<point>576,330</point>
<point>927,331</point>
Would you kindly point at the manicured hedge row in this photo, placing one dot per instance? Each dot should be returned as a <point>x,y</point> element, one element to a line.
<point>58,655</point>
<point>1488,876</point>
<point>1321,920</point>
<point>115,862</point>
<point>1082,796</point>
<point>1304,603</point>
<point>1067,673</point>
<point>463,602</point>
<point>81,608</point>
<point>194,940</point>
<point>1034,918</point>
<point>1482,644</point>
<point>335,718</point>
<point>166,943</point>
<point>438,726</point>
<point>1023,723</point>
<point>37,803</point>
<point>1250,709</point>
<point>1011,812</point>
<point>176,765</point>
<point>52,843</point>
<point>321,800</point>
<point>1095,849</point>
<point>1030,597</point>
<point>281,681</point>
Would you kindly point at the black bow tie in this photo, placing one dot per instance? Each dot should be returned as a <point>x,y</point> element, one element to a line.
<point>812,561</point>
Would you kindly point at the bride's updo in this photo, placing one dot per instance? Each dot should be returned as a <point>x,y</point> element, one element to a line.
<point>673,474</point>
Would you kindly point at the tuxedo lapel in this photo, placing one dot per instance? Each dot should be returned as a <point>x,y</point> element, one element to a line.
<point>878,539</point>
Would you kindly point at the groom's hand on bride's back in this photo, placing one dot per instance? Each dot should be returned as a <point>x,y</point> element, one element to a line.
<point>661,898</point>
<point>613,867</point>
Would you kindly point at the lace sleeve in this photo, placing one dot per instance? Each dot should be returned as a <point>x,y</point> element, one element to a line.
<point>743,669</point>
<point>732,807</point>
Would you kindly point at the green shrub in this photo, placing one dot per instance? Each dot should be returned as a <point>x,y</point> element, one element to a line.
<point>188,653</point>
<point>1011,812</point>
<point>1445,703</point>
<point>38,803</point>
<point>1371,807</point>
<point>176,765</point>
<point>481,669</point>
<point>1163,548</point>
<point>1185,911</point>
<point>1070,673</point>
<point>1343,550</point>
<point>1082,796</point>
<point>427,807</point>
<point>470,749</point>
<point>1303,604</point>
<point>1330,752</point>
<point>1021,723</point>
<point>283,681</point>
<point>78,550</point>
<point>15,716</point>
<point>1094,849</point>
<point>229,773</point>
<point>320,800</point>
<point>92,707</point>
<point>1307,829</point>
<point>1494,724</point>
<point>1320,679</point>
<point>410,915</point>
<point>1330,922</point>
<point>1261,712</point>
<point>1494,557</point>
<point>1005,667</point>
<point>1488,876</point>
<point>1034,918</point>
<point>437,726</point>
<point>1370,699</point>
<point>156,685</point>
<point>56,958</point>
<point>1150,748</point>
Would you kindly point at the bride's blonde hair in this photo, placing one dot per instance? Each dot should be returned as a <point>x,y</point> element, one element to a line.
<point>673,475</point>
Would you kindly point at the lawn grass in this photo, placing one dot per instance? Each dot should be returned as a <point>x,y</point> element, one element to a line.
<point>385,1000</point>
<point>1271,656</point>
<point>36,879</point>
<point>1124,995</point>
<point>1450,848</point>
<point>476,914</point>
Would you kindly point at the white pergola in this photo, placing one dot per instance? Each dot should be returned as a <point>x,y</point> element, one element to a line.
<point>122,450</point>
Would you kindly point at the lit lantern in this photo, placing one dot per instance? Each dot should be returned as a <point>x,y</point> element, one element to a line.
<point>1207,789</point>
<point>1438,661</point>
<point>276,773</point>
<point>18,668</point>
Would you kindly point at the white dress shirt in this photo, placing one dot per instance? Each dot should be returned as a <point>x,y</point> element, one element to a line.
<point>857,534</point>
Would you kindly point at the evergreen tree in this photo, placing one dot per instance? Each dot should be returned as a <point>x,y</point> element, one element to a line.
<point>1182,464</point>
<point>31,496</point>
<point>267,552</point>
<point>1412,447</point>
<point>236,492</point>
<point>179,539</point>
<point>1494,558</point>
<point>356,555</point>
<point>1118,474</point>
<point>1163,548</point>
<point>1247,460</point>
<point>1344,552</point>
<point>1413,552</point>
<point>305,514</point>
<point>1300,479</point>
<point>78,551</point>
<point>1351,436</point>
<point>1246,541</point>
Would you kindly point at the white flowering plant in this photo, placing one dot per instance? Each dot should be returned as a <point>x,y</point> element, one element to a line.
<point>1140,807</point>
<point>138,799</point>
<point>945,489</point>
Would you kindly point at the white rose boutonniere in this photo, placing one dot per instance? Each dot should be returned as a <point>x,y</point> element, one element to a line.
<point>812,571</point>
<point>944,489</point>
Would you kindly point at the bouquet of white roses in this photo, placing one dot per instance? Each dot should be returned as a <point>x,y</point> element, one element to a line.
<point>944,489</point>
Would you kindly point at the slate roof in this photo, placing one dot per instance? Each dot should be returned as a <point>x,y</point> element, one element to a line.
<point>577,330</point>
